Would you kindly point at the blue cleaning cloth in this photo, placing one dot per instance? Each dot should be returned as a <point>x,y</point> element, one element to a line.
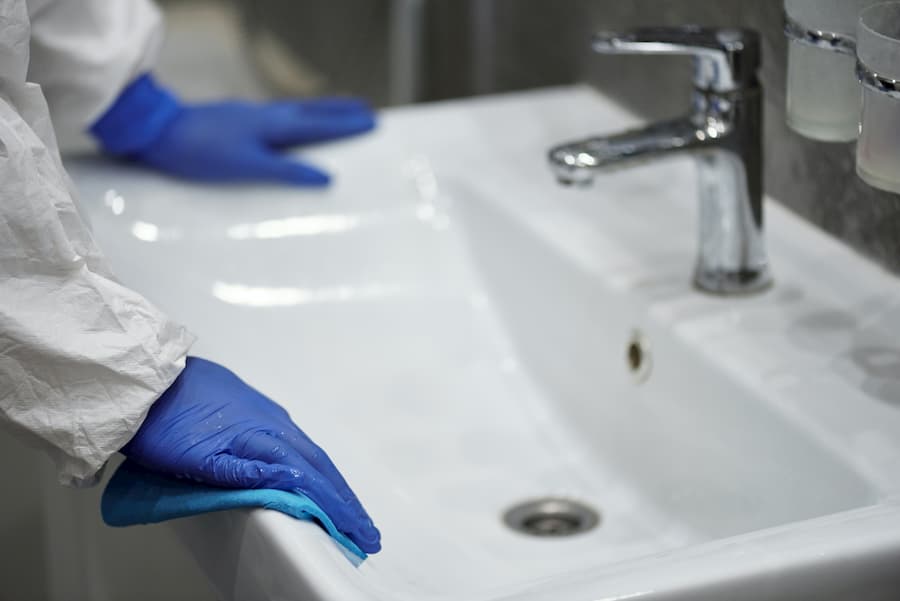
<point>135,495</point>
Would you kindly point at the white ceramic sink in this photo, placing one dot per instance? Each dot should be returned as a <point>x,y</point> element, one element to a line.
<point>454,329</point>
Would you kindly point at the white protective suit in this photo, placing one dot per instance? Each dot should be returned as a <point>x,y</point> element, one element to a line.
<point>82,357</point>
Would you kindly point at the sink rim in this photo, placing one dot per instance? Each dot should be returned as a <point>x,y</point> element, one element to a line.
<point>327,572</point>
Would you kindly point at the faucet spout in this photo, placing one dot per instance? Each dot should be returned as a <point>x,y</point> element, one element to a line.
<point>579,162</point>
<point>722,130</point>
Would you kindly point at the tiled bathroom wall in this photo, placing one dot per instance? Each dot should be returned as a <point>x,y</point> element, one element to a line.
<point>816,180</point>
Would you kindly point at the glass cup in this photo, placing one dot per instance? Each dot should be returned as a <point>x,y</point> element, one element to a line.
<point>878,53</point>
<point>822,89</point>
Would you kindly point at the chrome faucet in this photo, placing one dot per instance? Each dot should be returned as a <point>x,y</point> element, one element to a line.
<point>723,131</point>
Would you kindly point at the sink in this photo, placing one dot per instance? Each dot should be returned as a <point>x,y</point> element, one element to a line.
<point>462,335</point>
<point>692,442</point>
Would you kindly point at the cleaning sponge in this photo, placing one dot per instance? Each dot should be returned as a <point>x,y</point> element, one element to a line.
<point>135,495</point>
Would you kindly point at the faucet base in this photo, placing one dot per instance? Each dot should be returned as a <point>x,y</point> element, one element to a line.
<point>732,283</point>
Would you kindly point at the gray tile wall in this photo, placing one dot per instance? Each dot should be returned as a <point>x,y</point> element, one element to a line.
<point>816,180</point>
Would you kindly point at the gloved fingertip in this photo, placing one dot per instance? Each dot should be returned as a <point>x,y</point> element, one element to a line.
<point>312,177</point>
<point>367,122</point>
<point>364,118</point>
<point>348,126</point>
<point>368,530</point>
<point>293,172</point>
<point>331,127</point>
<point>368,539</point>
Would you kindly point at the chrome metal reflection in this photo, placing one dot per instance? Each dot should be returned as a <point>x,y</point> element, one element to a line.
<point>723,130</point>
<point>551,517</point>
<point>721,56</point>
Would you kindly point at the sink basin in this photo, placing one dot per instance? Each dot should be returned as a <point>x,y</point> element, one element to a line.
<point>462,335</point>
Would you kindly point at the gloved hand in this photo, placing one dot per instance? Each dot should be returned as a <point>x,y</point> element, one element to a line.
<point>225,141</point>
<point>211,427</point>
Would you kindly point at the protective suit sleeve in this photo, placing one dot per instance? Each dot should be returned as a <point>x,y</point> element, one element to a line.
<point>85,52</point>
<point>82,357</point>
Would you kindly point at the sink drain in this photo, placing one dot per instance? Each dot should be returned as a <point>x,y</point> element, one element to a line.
<point>639,358</point>
<point>551,518</point>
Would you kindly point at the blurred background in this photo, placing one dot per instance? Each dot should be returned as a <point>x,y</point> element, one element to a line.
<point>398,52</point>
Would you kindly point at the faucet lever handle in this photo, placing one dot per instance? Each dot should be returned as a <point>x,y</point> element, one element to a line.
<point>725,60</point>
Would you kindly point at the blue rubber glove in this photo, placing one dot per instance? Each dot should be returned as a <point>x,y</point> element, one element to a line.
<point>225,141</point>
<point>213,428</point>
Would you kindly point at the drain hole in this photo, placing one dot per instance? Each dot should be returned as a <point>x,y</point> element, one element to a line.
<point>551,525</point>
<point>638,357</point>
<point>551,518</point>
<point>635,355</point>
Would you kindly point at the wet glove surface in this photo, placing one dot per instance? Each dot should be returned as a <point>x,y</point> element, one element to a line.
<point>135,495</point>
<point>211,427</point>
<point>225,141</point>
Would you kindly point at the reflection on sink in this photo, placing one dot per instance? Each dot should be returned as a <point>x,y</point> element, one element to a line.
<point>455,330</point>
<point>700,448</point>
